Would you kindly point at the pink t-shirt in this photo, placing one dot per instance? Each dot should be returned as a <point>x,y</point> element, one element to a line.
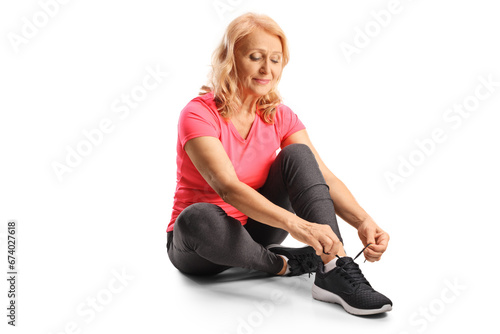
<point>251,157</point>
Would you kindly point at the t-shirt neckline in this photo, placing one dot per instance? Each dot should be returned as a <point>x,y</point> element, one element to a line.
<point>238,135</point>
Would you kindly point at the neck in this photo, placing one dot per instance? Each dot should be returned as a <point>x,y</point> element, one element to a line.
<point>248,104</point>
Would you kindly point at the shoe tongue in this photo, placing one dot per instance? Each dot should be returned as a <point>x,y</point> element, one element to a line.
<point>343,260</point>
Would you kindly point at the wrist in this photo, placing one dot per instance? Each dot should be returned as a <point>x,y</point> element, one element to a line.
<point>288,221</point>
<point>294,223</point>
<point>364,221</point>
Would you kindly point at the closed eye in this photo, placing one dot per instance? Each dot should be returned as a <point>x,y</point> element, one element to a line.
<point>275,61</point>
<point>257,58</point>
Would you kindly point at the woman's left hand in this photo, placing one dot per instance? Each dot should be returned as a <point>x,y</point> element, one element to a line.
<point>370,233</point>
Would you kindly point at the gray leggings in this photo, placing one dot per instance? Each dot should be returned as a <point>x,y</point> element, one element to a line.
<point>206,241</point>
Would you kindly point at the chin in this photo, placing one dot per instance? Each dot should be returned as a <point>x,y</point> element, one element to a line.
<point>261,92</point>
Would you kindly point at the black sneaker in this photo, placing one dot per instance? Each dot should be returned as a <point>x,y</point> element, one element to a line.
<point>300,260</point>
<point>347,286</point>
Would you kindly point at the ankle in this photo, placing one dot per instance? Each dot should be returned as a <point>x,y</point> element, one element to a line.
<point>330,265</point>
<point>285,266</point>
<point>329,257</point>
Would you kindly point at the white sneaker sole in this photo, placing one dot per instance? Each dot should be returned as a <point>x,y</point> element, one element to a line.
<point>329,297</point>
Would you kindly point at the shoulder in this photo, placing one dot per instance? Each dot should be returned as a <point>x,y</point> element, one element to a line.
<point>201,109</point>
<point>283,113</point>
<point>200,113</point>
<point>199,118</point>
<point>286,121</point>
<point>201,104</point>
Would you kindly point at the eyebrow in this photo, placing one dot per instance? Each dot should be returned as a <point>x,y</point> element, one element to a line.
<point>262,50</point>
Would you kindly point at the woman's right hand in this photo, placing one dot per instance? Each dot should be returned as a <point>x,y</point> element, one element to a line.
<point>321,237</point>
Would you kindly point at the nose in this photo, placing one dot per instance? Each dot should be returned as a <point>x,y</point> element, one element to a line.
<point>266,66</point>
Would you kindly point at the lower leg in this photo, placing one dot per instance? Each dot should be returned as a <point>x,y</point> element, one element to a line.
<point>296,183</point>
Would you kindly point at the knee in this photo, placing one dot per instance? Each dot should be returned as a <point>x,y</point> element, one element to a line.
<point>196,217</point>
<point>298,151</point>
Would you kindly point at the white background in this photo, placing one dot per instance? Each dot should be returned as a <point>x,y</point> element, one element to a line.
<point>110,213</point>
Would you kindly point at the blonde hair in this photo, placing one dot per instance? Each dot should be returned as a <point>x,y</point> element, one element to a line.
<point>223,77</point>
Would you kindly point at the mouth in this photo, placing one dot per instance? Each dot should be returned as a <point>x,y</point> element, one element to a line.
<point>262,81</point>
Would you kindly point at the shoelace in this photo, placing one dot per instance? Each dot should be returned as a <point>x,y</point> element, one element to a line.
<point>351,268</point>
<point>360,252</point>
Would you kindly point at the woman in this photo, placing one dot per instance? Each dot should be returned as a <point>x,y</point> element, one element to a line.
<point>236,199</point>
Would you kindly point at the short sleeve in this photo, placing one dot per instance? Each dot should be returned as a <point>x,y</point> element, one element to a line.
<point>197,120</point>
<point>287,122</point>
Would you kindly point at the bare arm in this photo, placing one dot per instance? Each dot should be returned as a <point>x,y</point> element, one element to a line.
<point>346,206</point>
<point>210,158</point>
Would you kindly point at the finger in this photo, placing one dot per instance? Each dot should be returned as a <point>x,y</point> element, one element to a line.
<point>318,247</point>
<point>379,248</point>
<point>374,248</point>
<point>327,238</point>
<point>370,258</point>
<point>327,245</point>
<point>336,248</point>
<point>369,244</point>
<point>383,239</point>
<point>372,255</point>
<point>369,238</point>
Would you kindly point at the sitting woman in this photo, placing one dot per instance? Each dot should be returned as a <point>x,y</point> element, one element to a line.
<point>237,199</point>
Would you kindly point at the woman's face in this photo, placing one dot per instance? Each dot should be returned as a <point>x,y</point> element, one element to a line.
<point>259,59</point>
